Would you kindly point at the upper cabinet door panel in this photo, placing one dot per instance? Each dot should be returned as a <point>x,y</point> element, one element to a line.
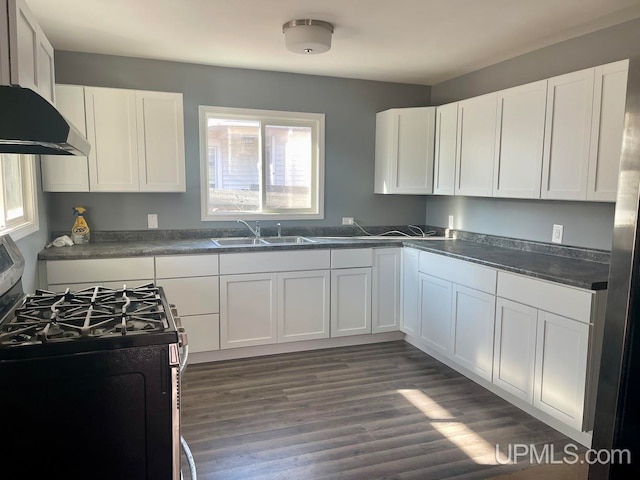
<point>160,141</point>
<point>404,151</point>
<point>567,136</point>
<point>444,164</point>
<point>476,145</point>
<point>111,129</point>
<point>610,91</point>
<point>30,55</point>
<point>414,169</point>
<point>520,141</point>
<point>67,173</point>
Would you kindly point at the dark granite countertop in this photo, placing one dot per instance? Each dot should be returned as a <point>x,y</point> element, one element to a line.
<point>575,272</point>
<point>569,271</point>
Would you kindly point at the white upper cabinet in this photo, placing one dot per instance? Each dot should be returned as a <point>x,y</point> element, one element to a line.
<point>404,151</point>
<point>444,163</point>
<point>112,132</point>
<point>26,56</point>
<point>67,173</point>
<point>519,141</point>
<point>160,141</point>
<point>567,136</point>
<point>476,145</point>
<point>137,140</point>
<point>610,89</point>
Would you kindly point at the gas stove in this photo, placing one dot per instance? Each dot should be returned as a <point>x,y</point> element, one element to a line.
<point>116,351</point>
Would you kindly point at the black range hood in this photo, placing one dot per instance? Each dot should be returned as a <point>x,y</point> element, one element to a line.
<point>30,124</point>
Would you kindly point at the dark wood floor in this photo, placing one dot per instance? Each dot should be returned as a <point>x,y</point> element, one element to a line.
<point>367,412</point>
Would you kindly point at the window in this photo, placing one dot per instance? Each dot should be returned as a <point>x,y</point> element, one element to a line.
<point>18,206</point>
<point>259,164</point>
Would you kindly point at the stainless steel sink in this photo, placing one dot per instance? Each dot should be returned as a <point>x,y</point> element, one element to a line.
<point>288,240</point>
<point>238,241</point>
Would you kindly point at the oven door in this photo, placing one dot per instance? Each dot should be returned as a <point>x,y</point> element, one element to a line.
<point>99,415</point>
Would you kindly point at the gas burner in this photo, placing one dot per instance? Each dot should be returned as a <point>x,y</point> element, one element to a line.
<point>96,312</point>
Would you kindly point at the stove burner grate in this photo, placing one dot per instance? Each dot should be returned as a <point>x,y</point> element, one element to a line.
<point>94,312</point>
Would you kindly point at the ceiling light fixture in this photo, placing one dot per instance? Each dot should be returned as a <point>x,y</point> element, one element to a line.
<point>307,36</point>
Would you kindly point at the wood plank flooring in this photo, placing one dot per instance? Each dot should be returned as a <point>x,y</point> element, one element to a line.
<point>382,411</point>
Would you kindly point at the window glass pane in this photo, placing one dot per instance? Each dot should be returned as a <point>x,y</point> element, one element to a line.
<point>288,165</point>
<point>13,197</point>
<point>233,152</point>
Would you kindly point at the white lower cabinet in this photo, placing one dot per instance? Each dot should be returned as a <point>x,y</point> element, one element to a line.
<point>247,310</point>
<point>561,365</point>
<point>410,292</point>
<point>515,348</point>
<point>350,301</point>
<point>385,298</point>
<point>472,330</point>
<point>203,332</point>
<point>303,305</point>
<point>435,312</point>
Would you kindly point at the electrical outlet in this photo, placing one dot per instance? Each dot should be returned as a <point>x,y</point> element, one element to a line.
<point>152,220</point>
<point>347,220</point>
<point>556,237</point>
<point>450,222</point>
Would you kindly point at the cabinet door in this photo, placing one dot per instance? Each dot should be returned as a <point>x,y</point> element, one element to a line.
<point>515,348</point>
<point>67,173</point>
<point>561,367</point>
<point>610,91</point>
<point>350,301</point>
<point>30,55</point>
<point>444,163</point>
<point>476,145</point>
<point>160,127</point>
<point>519,141</point>
<point>385,299</point>
<point>435,313</point>
<point>111,130</point>
<point>410,292</point>
<point>192,295</point>
<point>247,310</point>
<point>404,151</point>
<point>472,330</point>
<point>303,305</point>
<point>567,136</point>
<point>203,332</point>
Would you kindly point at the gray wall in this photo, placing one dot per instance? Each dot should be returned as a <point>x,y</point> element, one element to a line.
<point>586,224</point>
<point>350,107</point>
<point>32,244</point>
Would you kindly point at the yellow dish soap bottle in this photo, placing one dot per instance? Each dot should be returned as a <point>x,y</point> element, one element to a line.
<point>80,232</point>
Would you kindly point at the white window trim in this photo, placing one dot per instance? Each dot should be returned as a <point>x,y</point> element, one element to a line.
<point>32,221</point>
<point>271,115</point>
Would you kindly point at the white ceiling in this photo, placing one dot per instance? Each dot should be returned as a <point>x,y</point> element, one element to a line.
<point>407,41</point>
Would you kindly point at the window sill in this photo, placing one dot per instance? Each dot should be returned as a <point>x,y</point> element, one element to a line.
<point>226,217</point>
<point>20,231</point>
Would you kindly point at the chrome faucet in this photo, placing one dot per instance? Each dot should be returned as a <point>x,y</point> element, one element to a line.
<point>255,232</point>
<point>279,229</point>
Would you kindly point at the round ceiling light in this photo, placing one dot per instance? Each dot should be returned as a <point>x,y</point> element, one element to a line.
<point>308,37</point>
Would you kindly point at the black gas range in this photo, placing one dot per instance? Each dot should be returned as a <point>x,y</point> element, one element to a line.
<point>90,380</point>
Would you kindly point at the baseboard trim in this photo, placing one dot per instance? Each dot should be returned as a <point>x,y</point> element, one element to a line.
<point>290,347</point>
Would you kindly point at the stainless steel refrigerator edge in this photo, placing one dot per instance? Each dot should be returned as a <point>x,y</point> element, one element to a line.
<point>614,422</point>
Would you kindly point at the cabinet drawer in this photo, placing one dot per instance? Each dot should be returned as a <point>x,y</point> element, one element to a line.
<point>192,296</point>
<point>99,270</point>
<point>262,262</point>
<point>352,258</point>
<point>559,299</point>
<point>186,266</point>
<point>458,271</point>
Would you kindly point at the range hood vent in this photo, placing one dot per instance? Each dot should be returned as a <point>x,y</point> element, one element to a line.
<point>30,124</point>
